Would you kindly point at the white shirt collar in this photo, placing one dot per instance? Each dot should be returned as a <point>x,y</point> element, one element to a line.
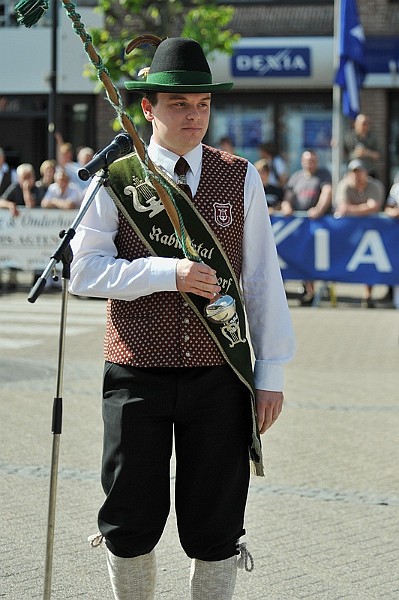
<point>167,159</point>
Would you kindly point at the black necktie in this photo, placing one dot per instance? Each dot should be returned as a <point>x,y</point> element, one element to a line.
<point>181,168</point>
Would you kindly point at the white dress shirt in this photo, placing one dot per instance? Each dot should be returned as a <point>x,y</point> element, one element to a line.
<point>97,272</point>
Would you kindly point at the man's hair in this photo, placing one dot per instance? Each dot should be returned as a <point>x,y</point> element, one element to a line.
<point>152,97</point>
<point>25,168</point>
<point>268,147</point>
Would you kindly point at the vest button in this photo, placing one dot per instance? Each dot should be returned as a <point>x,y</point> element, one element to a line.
<point>186,338</point>
<point>188,354</point>
<point>186,321</point>
<point>185,304</point>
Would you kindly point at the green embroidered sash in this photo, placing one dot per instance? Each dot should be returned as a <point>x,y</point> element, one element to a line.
<point>138,201</point>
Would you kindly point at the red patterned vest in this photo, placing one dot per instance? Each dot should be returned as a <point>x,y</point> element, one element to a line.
<point>161,330</point>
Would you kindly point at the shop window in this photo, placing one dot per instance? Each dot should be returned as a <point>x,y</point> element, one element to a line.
<point>76,123</point>
<point>305,125</point>
<point>291,125</point>
<point>246,126</point>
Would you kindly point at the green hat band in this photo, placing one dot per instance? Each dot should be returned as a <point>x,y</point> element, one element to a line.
<point>179,78</point>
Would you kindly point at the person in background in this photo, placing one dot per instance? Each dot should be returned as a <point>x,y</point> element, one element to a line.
<point>7,174</point>
<point>278,175</point>
<point>392,202</point>
<point>47,171</point>
<point>22,193</point>
<point>274,194</point>
<point>310,190</point>
<point>169,371</point>
<point>361,143</point>
<point>85,154</point>
<point>62,193</point>
<point>392,210</point>
<point>226,144</point>
<point>359,195</point>
<point>65,159</point>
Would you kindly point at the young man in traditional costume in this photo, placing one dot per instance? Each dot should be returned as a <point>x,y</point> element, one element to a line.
<point>178,357</point>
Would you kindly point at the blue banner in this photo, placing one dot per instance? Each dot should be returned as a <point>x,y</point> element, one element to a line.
<point>347,249</point>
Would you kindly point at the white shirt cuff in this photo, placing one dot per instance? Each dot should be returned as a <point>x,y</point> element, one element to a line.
<point>163,273</point>
<point>268,376</point>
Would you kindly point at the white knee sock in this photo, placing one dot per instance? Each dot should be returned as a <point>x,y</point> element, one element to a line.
<point>213,580</point>
<point>132,578</point>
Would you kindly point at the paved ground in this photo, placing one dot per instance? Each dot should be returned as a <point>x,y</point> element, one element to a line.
<point>323,524</point>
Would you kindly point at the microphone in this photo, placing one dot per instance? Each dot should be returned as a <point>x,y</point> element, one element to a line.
<point>122,145</point>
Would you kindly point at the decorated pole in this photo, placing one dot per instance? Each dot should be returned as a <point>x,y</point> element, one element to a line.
<point>28,12</point>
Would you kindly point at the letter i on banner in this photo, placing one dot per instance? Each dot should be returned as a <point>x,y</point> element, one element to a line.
<point>322,249</point>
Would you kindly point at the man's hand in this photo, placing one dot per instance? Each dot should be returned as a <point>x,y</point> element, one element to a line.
<point>196,278</point>
<point>268,407</point>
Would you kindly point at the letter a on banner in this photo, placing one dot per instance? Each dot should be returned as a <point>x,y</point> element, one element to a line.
<point>370,251</point>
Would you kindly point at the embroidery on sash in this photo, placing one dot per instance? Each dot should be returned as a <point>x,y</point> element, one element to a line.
<point>145,197</point>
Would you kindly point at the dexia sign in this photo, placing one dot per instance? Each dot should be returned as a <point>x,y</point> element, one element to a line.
<point>271,62</point>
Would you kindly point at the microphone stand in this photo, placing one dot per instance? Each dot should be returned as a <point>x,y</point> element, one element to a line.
<point>64,254</point>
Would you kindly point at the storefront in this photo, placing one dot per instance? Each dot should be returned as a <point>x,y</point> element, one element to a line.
<point>282,94</point>
<point>26,88</point>
<point>23,125</point>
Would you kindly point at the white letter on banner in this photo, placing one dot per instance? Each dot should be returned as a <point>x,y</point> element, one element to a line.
<point>370,251</point>
<point>243,62</point>
<point>322,249</point>
<point>282,231</point>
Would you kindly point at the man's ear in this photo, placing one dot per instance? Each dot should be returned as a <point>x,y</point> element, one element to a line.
<point>147,109</point>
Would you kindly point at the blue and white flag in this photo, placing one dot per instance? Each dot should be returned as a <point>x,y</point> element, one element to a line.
<point>351,70</point>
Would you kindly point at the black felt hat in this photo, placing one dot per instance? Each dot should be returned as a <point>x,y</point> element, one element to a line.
<point>178,65</point>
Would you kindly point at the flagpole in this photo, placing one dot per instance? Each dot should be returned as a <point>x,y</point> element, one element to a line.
<point>337,129</point>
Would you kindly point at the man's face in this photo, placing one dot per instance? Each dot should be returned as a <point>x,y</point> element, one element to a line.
<point>358,177</point>
<point>309,162</point>
<point>26,179</point>
<point>179,121</point>
<point>362,124</point>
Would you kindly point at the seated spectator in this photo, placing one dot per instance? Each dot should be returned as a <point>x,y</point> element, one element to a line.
<point>274,194</point>
<point>359,195</point>
<point>62,194</point>
<point>7,174</point>
<point>47,170</point>
<point>310,190</point>
<point>392,202</point>
<point>392,210</point>
<point>278,169</point>
<point>22,193</point>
